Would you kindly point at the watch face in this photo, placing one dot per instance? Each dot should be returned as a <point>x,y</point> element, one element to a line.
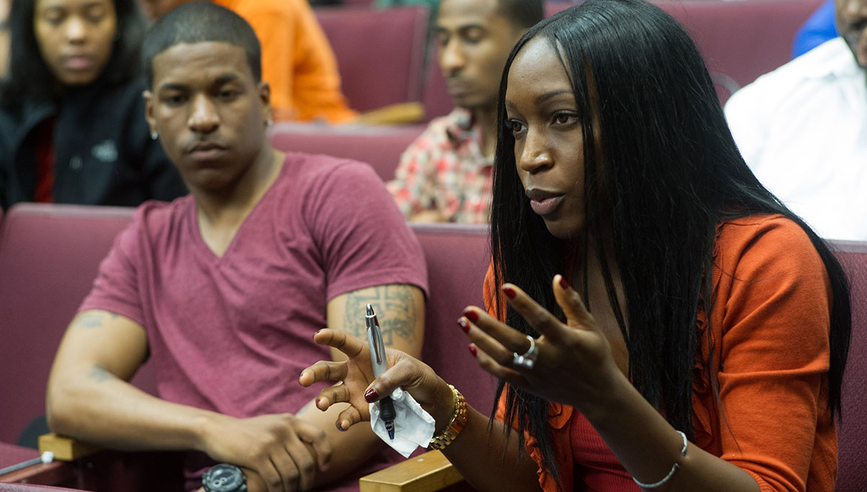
<point>224,478</point>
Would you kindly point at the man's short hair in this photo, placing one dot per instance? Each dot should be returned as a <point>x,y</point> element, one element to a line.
<point>522,14</point>
<point>201,22</point>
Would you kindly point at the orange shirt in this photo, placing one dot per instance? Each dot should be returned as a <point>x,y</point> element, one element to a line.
<point>297,61</point>
<point>769,328</point>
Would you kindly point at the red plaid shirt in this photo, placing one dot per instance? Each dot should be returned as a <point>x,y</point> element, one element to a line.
<point>445,170</point>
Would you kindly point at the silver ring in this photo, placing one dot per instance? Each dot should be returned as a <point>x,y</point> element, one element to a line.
<point>528,359</point>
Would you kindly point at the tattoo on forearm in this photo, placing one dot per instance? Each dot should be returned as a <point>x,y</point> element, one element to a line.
<point>394,308</point>
<point>93,319</point>
<point>100,374</point>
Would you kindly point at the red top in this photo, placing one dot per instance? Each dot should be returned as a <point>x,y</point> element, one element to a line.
<point>770,336</point>
<point>45,157</point>
<point>595,465</point>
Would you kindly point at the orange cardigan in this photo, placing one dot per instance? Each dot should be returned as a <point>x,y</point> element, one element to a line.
<point>297,61</point>
<point>769,329</point>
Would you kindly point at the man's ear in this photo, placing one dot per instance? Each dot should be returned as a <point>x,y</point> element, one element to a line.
<point>149,110</point>
<point>265,99</point>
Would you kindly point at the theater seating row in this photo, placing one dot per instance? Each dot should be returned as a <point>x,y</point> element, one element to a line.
<point>49,255</point>
<point>381,53</point>
<point>741,40</point>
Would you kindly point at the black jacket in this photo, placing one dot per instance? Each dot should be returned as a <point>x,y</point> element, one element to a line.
<point>104,153</point>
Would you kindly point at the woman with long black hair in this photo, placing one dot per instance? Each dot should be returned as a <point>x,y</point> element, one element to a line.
<point>704,342</point>
<point>72,127</point>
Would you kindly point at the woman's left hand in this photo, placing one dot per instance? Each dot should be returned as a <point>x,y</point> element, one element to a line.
<point>573,365</point>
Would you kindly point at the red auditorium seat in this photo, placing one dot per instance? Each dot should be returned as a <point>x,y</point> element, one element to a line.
<point>49,256</point>
<point>380,147</point>
<point>457,259</point>
<point>739,41</point>
<point>380,53</point>
<point>852,431</point>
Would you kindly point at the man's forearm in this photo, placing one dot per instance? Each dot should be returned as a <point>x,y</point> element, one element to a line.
<point>400,311</point>
<point>92,405</point>
<point>350,449</point>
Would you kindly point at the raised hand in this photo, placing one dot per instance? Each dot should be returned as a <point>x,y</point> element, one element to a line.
<point>573,365</point>
<point>276,447</point>
<point>356,385</point>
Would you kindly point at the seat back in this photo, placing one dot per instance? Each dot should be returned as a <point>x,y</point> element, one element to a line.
<point>381,147</point>
<point>738,40</point>
<point>49,256</point>
<point>852,431</point>
<point>380,53</point>
<point>457,259</point>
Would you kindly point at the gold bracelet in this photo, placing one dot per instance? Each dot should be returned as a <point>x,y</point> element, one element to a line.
<point>456,424</point>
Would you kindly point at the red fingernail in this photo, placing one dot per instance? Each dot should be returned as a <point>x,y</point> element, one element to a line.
<point>371,395</point>
<point>463,325</point>
<point>473,350</point>
<point>510,292</point>
<point>340,425</point>
<point>564,283</point>
<point>471,315</point>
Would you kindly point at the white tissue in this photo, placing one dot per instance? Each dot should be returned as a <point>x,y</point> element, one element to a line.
<point>413,426</point>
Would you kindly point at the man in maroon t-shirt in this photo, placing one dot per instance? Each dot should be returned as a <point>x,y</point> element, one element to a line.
<point>225,288</point>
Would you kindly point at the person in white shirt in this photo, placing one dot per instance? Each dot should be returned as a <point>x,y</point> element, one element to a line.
<point>803,129</point>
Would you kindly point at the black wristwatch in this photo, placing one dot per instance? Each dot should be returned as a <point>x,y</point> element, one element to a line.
<point>224,478</point>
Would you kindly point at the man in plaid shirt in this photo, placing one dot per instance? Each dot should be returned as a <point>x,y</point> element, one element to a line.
<point>445,175</point>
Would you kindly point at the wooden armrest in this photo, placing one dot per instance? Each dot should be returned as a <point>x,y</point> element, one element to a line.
<point>427,472</point>
<point>395,114</point>
<point>66,448</point>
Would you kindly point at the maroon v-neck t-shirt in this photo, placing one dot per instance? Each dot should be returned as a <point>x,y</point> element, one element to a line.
<point>231,334</point>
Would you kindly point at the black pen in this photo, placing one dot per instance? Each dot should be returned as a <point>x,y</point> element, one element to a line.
<point>380,365</point>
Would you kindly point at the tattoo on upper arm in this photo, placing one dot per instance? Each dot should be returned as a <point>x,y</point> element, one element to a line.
<point>100,374</point>
<point>395,309</point>
<point>90,320</point>
<point>93,319</point>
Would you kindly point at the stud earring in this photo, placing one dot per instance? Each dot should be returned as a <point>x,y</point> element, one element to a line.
<point>155,135</point>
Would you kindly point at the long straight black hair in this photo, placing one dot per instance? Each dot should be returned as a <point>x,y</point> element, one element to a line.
<point>662,171</point>
<point>29,78</point>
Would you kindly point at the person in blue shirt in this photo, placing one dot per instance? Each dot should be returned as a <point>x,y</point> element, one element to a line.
<point>820,27</point>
